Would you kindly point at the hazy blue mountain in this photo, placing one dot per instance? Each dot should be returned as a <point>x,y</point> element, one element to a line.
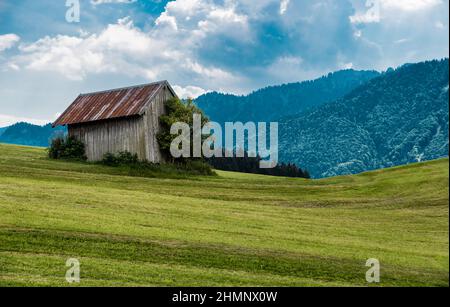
<point>397,118</point>
<point>28,134</point>
<point>2,130</point>
<point>275,102</point>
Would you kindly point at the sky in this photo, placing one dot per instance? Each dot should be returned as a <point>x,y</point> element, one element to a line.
<point>48,57</point>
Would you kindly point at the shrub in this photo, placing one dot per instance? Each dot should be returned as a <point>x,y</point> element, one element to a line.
<point>121,158</point>
<point>177,111</point>
<point>125,157</point>
<point>199,167</point>
<point>67,148</point>
<point>129,164</point>
<point>109,159</point>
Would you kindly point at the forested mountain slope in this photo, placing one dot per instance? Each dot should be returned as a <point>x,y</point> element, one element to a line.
<point>29,134</point>
<point>275,102</point>
<point>397,118</point>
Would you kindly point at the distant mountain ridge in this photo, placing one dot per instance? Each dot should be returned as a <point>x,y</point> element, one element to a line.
<point>274,102</point>
<point>3,129</point>
<point>397,118</point>
<point>349,121</point>
<point>29,134</point>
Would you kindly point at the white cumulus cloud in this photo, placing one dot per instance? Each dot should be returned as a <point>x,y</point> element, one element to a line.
<point>410,5</point>
<point>123,49</point>
<point>191,92</point>
<point>375,10</point>
<point>284,6</point>
<point>97,2</point>
<point>7,41</point>
<point>7,120</point>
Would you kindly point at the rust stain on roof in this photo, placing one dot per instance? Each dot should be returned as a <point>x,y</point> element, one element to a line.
<point>117,103</point>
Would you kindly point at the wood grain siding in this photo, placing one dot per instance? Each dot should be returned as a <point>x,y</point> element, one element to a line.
<point>152,127</point>
<point>111,136</point>
<point>135,134</point>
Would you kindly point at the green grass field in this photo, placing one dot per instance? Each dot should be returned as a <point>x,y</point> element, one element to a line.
<point>228,230</point>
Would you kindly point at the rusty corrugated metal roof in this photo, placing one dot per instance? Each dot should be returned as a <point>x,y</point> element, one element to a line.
<point>116,103</point>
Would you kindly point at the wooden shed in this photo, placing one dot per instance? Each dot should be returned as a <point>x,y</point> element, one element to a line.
<point>125,119</point>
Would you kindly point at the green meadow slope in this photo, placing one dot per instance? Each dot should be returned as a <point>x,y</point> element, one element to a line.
<point>229,230</point>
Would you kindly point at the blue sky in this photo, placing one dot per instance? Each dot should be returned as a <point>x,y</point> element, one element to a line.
<point>232,46</point>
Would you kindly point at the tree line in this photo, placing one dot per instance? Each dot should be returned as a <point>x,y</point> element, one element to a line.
<point>251,165</point>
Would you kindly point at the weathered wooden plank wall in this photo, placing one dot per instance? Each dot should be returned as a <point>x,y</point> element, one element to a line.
<point>111,136</point>
<point>152,127</point>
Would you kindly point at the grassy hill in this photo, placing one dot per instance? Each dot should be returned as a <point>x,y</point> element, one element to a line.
<point>229,230</point>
